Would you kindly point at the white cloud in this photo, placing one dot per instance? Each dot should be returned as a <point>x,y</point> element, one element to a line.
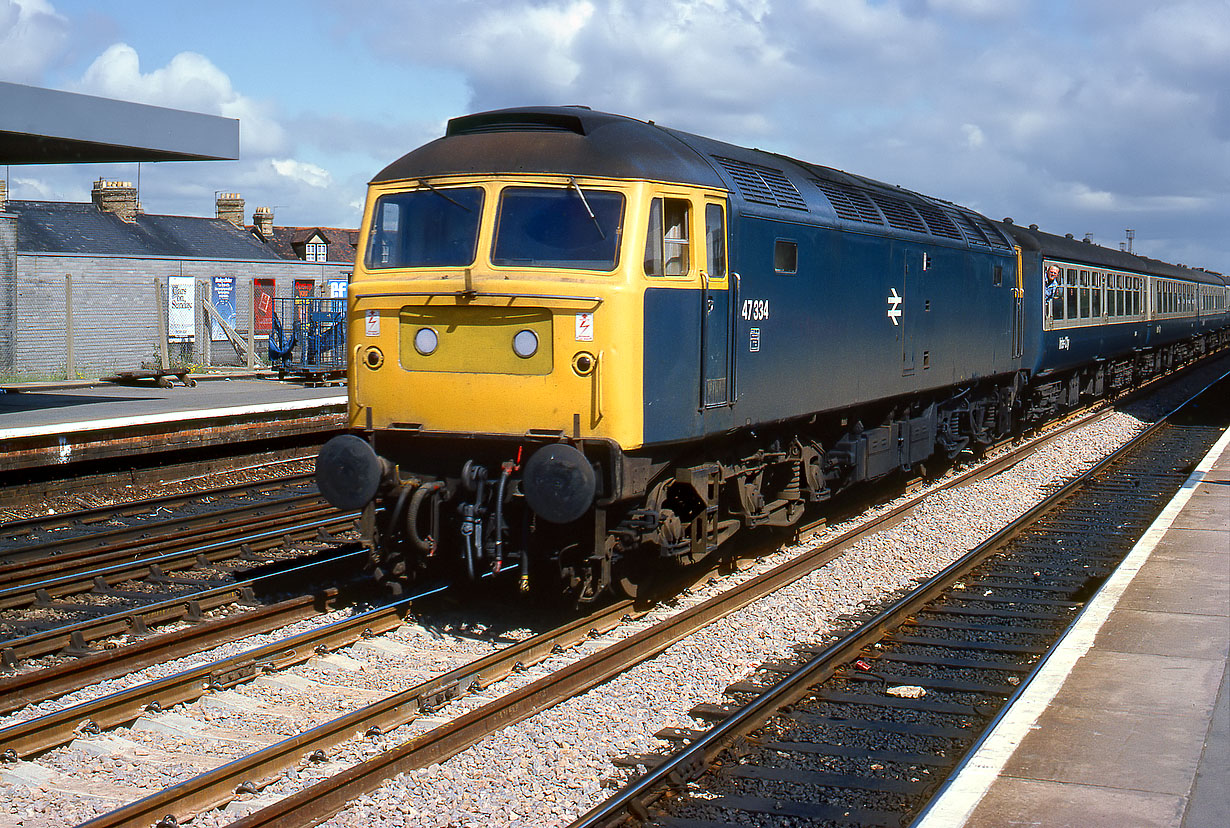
<point>189,81</point>
<point>32,36</point>
<point>302,172</point>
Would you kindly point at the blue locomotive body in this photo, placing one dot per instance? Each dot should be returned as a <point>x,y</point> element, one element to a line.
<point>598,347</point>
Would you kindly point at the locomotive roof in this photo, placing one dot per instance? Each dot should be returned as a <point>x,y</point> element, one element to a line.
<point>1070,249</point>
<point>558,140</point>
<point>579,141</point>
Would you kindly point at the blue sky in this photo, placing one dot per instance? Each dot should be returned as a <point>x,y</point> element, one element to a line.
<point>1086,116</point>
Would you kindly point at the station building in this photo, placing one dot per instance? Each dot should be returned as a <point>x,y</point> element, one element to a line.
<point>91,288</point>
<point>83,287</point>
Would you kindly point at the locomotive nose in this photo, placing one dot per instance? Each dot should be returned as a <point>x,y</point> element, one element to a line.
<point>558,483</point>
<point>348,472</point>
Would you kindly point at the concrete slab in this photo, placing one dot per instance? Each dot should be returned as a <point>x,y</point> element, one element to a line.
<point>1208,510</point>
<point>1022,802</point>
<point>1165,633</point>
<point>336,663</point>
<point>27,773</point>
<point>1196,545</point>
<point>1091,746</point>
<point>1209,803</point>
<point>1110,681</point>
<point>1185,585</point>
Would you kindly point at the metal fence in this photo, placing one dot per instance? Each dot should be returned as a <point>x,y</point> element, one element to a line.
<point>309,336</point>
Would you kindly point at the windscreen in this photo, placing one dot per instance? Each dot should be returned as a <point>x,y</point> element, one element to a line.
<point>428,227</point>
<point>567,227</point>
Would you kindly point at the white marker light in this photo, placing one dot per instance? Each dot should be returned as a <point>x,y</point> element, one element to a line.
<point>525,344</point>
<point>426,341</point>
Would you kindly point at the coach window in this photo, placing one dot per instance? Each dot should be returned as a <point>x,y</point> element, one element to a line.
<point>666,245</point>
<point>1071,289</point>
<point>1084,294</point>
<point>1096,295</point>
<point>786,256</point>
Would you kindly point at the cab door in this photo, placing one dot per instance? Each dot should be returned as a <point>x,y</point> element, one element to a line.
<point>716,387</point>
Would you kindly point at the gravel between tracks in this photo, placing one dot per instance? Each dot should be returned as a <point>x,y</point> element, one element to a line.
<point>556,765</point>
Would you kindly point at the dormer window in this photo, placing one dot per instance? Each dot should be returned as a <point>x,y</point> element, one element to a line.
<point>315,251</point>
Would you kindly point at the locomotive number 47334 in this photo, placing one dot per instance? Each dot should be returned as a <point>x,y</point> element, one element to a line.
<point>755,310</point>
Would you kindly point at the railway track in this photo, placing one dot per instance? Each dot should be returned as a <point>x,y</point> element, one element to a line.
<point>862,730</point>
<point>255,774</point>
<point>19,533</point>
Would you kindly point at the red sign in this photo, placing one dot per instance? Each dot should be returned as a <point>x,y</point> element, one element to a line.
<point>262,293</point>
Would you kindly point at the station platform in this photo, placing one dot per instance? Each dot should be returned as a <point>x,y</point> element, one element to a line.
<point>1128,722</point>
<point>46,425</point>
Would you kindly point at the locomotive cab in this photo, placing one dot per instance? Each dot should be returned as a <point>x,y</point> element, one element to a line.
<point>497,359</point>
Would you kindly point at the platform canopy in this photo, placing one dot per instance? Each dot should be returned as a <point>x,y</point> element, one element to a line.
<point>45,126</point>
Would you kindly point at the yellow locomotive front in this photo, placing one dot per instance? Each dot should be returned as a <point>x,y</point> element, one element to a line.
<point>494,375</point>
<point>498,306</point>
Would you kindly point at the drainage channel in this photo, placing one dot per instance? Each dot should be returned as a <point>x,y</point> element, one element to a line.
<point>863,730</point>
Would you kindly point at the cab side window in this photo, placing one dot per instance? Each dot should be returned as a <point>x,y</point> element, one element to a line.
<point>667,242</point>
<point>715,241</point>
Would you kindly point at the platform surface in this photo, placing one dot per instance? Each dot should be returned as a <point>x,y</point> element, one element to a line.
<point>1133,727</point>
<point>73,408</point>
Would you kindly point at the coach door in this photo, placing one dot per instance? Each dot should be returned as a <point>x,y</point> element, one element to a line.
<point>716,386</point>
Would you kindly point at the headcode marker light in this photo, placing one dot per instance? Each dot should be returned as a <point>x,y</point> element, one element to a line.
<point>525,344</point>
<point>426,341</point>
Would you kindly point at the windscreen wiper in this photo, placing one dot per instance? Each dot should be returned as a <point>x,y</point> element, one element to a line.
<point>445,196</point>
<point>572,182</point>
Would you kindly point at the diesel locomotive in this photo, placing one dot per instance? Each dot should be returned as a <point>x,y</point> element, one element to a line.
<point>587,348</point>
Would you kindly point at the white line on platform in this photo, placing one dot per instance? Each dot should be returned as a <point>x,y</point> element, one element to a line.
<point>953,807</point>
<point>169,417</point>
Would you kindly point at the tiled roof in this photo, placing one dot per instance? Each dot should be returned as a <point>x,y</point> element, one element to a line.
<point>68,227</point>
<point>288,242</point>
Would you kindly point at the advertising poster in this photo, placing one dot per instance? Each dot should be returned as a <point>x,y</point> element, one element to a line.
<point>305,289</point>
<point>262,305</point>
<point>181,307</point>
<point>224,303</point>
<point>337,288</point>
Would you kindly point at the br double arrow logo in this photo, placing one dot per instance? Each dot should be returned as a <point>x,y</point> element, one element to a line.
<point>894,307</point>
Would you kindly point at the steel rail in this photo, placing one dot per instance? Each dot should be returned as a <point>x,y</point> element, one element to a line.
<point>89,551</point>
<point>95,514</point>
<point>295,528</point>
<point>58,728</point>
<point>689,762</point>
<point>219,785</point>
<point>39,685</point>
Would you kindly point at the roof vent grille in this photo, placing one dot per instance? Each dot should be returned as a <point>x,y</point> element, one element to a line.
<point>939,223</point>
<point>899,213</point>
<point>763,185</point>
<point>849,202</point>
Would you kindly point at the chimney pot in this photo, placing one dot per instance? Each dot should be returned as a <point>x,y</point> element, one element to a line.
<point>118,197</point>
<point>262,219</point>
<point>229,206</point>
